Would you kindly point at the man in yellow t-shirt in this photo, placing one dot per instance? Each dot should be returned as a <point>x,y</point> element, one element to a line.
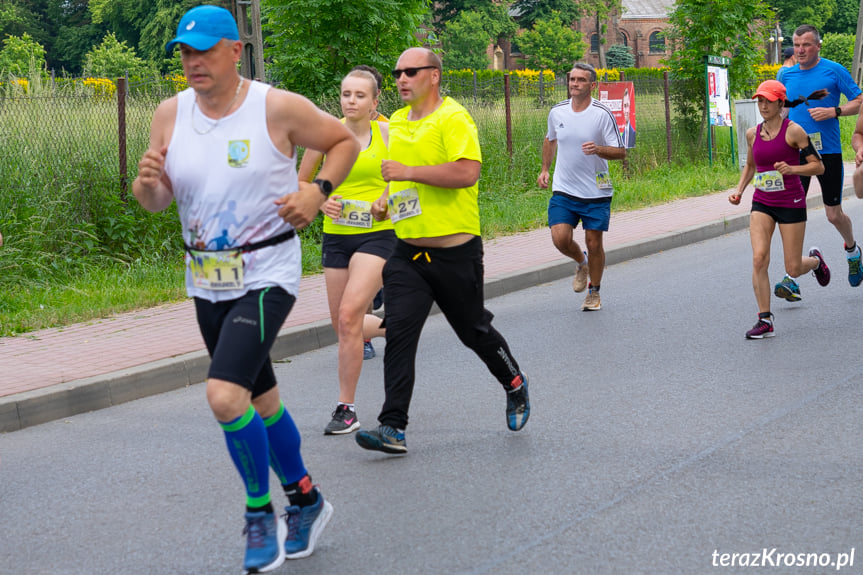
<point>433,170</point>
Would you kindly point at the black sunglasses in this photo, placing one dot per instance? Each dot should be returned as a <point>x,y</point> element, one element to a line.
<point>411,72</point>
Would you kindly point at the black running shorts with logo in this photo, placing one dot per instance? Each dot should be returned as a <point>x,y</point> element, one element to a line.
<point>831,180</point>
<point>781,215</point>
<point>239,334</point>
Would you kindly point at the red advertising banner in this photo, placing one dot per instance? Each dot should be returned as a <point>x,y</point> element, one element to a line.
<point>619,97</point>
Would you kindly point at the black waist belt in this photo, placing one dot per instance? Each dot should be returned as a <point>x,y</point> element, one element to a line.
<point>256,245</point>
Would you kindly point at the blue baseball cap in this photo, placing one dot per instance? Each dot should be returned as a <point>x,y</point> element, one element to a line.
<point>202,28</point>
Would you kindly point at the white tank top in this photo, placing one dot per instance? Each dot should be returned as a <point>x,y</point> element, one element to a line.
<point>225,182</point>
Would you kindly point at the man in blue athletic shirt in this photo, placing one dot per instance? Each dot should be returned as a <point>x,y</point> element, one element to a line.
<point>820,120</point>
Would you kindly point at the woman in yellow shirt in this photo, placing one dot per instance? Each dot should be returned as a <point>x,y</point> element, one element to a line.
<point>355,245</point>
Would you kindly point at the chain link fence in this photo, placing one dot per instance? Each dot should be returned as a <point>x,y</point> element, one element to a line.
<point>72,133</point>
<point>71,146</point>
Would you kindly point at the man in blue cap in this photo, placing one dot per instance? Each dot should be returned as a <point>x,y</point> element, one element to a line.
<point>225,151</point>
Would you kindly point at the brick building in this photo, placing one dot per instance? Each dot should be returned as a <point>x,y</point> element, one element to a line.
<point>640,27</point>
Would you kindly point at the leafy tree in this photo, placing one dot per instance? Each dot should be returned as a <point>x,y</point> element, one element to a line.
<point>113,58</point>
<point>75,36</point>
<point>465,41</point>
<point>601,11</point>
<point>312,44</point>
<point>160,28</point>
<point>839,48</point>
<point>21,55</point>
<point>72,44</point>
<point>445,11</point>
<point>123,17</point>
<point>497,24</point>
<point>844,20</point>
<point>710,27</point>
<point>551,45</point>
<point>528,12</point>
<point>619,56</point>
<point>19,17</point>
<point>818,13</point>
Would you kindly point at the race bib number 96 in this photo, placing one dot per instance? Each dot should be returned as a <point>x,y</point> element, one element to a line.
<point>771,181</point>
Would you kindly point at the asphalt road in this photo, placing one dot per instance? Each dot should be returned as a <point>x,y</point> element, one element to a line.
<point>660,440</point>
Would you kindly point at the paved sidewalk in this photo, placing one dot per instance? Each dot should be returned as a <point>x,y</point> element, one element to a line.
<point>55,373</point>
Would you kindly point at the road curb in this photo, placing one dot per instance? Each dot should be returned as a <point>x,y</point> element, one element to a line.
<point>80,396</point>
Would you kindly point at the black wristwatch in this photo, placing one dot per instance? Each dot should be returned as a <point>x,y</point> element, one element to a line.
<point>838,111</point>
<point>325,185</point>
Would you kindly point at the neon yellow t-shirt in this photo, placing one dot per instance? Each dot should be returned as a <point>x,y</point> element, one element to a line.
<point>363,184</point>
<point>446,135</point>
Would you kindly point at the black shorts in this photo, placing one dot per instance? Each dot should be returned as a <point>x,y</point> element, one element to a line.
<point>337,249</point>
<point>831,180</point>
<point>781,215</point>
<point>239,334</point>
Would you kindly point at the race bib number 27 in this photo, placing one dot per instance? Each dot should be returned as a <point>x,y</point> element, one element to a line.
<point>404,204</point>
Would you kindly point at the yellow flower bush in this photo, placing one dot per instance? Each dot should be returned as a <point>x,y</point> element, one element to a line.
<point>767,70</point>
<point>613,75</point>
<point>102,87</point>
<point>179,82</point>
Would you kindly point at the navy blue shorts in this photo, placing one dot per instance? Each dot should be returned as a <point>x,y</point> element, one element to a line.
<point>337,249</point>
<point>564,209</point>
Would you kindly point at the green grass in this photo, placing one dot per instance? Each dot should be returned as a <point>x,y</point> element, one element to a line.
<point>76,251</point>
<point>94,293</point>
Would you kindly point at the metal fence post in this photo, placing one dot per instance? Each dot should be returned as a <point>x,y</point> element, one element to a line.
<point>541,87</point>
<point>474,87</point>
<point>121,136</point>
<point>667,116</point>
<point>508,114</point>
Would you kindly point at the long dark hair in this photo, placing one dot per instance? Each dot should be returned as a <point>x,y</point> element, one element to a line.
<point>816,95</point>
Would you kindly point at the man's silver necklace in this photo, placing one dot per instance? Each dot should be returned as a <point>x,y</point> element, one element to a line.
<point>219,119</point>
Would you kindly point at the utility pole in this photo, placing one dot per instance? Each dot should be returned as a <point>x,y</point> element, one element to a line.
<point>857,65</point>
<point>248,15</point>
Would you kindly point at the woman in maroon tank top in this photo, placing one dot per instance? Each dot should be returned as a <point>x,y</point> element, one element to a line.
<point>776,147</point>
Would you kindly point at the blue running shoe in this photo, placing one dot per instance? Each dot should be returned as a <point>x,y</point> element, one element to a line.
<point>368,350</point>
<point>855,272</point>
<point>305,525</point>
<point>821,273</point>
<point>265,542</point>
<point>384,438</point>
<point>788,289</point>
<point>517,403</point>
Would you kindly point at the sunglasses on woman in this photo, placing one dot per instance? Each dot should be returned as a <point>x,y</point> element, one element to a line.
<point>410,72</point>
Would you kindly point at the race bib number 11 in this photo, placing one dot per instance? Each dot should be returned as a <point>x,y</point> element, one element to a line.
<point>222,270</point>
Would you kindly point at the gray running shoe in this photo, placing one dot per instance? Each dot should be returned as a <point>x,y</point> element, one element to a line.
<point>344,421</point>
